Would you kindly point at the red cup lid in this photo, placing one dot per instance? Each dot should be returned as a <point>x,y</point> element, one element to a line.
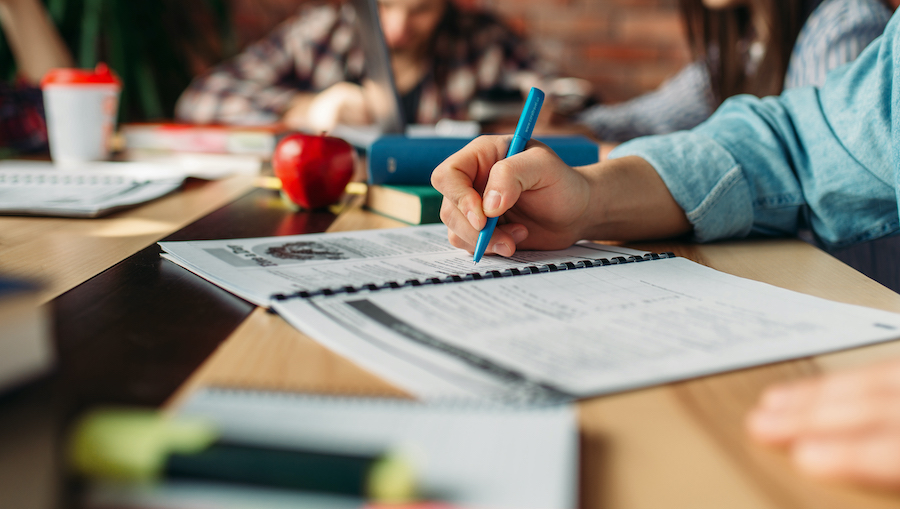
<point>101,75</point>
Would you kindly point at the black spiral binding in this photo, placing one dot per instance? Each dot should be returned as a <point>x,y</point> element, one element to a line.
<point>474,276</point>
<point>39,178</point>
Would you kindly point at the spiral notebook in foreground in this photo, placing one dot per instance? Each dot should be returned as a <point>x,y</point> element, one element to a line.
<point>465,455</point>
<point>542,326</point>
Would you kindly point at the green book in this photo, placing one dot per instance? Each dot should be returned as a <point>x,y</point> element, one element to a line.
<point>407,203</point>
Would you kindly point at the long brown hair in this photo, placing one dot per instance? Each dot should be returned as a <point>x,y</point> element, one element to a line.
<point>722,39</point>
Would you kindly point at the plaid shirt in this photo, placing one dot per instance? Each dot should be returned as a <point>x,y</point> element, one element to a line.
<point>22,125</point>
<point>474,55</point>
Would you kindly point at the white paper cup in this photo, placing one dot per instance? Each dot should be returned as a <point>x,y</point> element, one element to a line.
<point>81,107</point>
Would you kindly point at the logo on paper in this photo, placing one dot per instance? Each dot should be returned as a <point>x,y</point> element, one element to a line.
<point>306,250</point>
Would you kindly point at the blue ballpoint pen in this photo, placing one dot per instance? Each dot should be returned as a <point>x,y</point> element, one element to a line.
<point>529,116</point>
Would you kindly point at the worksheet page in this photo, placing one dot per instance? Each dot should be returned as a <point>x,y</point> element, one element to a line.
<point>257,268</point>
<point>580,332</point>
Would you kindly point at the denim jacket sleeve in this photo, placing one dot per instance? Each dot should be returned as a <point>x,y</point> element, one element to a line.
<point>818,157</point>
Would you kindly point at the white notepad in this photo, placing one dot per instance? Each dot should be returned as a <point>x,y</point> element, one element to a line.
<point>37,188</point>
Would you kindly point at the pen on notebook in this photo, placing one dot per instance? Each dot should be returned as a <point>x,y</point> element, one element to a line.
<point>529,116</point>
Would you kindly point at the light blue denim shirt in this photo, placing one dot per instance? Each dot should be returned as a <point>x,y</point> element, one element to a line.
<point>822,158</point>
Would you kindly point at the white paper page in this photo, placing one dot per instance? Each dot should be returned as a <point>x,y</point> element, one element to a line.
<point>257,268</point>
<point>472,456</point>
<point>583,332</point>
<point>358,136</point>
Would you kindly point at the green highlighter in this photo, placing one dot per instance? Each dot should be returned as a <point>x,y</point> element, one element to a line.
<point>145,445</point>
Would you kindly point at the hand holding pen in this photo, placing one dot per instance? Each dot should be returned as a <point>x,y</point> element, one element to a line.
<point>541,199</point>
<point>547,204</point>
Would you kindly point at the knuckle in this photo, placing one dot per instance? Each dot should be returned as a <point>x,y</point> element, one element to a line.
<point>502,170</point>
<point>446,212</point>
<point>456,241</point>
<point>438,177</point>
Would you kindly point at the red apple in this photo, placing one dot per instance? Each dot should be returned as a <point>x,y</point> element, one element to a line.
<point>314,170</point>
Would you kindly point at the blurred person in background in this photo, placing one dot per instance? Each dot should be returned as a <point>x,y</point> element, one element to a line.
<point>307,72</point>
<point>37,48</point>
<point>758,47</point>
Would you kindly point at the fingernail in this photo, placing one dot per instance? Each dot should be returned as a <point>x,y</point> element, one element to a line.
<point>519,234</point>
<point>491,201</point>
<point>765,423</point>
<point>473,219</point>
<point>502,249</point>
<point>816,457</point>
<point>778,397</point>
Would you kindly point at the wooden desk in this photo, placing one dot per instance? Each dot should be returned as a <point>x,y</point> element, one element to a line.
<point>137,332</point>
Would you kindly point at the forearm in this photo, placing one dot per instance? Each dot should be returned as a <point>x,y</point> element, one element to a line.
<point>34,40</point>
<point>629,201</point>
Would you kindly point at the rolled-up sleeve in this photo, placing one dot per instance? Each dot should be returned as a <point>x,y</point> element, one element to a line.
<point>811,157</point>
<point>704,179</point>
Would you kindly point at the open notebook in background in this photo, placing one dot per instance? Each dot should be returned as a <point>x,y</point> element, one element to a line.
<point>98,188</point>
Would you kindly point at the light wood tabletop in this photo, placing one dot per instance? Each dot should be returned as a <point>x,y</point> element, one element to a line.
<point>680,445</point>
<point>61,253</point>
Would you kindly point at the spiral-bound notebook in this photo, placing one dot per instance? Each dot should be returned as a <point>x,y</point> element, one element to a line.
<point>260,269</point>
<point>541,326</point>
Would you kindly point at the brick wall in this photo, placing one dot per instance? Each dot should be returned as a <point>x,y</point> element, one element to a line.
<point>624,47</point>
<point>254,18</point>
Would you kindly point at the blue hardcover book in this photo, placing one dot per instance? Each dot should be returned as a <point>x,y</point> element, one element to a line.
<point>397,159</point>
